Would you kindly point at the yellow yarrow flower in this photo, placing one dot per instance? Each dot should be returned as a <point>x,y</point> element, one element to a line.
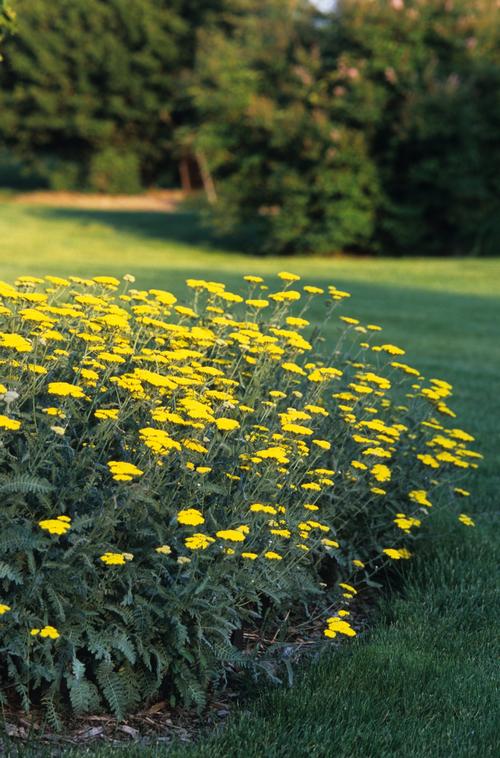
<point>58,526</point>
<point>15,342</point>
<point>9,423</point>
<point>281,297</point>
<point>64,389</point>
<point>466,520</point>
<point>323,444</point>
<point>420,497</point>
<point>396,554</point>
<point>381,472</point>
<point>293,368</point>
<point>190,517</point>
<point>106,413</point>
<point>260,508</point>
<point>49,632</point>
<point>233,535</point>
<point>348,587</point>
<point>123,471</point>
<point>253,279</point>
<point>198,541</point>
<point>428,460</point>
<point>337,625</point>
<point>313,290</point>
<point>391,349</point>
<point>163,549</point>
<point>297,429</point>
<point>406,522</point>
<point>286,276</point>
<point>257,303</point>
<point>297,321</point>
<point>115,559</point>
<point>109,281</point>
<point>226,424</point>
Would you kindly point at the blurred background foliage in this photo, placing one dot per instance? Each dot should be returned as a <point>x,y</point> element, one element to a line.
<point>372,128</point>
<point>6,19</point>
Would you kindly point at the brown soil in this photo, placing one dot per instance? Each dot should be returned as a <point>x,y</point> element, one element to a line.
<point>160,201</point>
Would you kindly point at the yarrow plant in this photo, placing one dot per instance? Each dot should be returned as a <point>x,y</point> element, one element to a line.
<point>172,474</point>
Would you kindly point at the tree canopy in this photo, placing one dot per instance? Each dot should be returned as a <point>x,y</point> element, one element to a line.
<point>87,82</point>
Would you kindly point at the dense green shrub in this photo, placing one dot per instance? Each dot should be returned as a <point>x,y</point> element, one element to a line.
<point>113,171</point>
<point>423,96</point>
<point>59,174</point>
<point>15,175</point>
<point>171,475</point>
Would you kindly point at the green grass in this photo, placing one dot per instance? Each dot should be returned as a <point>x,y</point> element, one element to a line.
<point>172,246</point>
<point>423,681</point>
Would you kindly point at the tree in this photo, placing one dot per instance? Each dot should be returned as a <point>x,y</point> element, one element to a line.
<point>89,84</point>
<point>269,129</point>
<point>426,95</point>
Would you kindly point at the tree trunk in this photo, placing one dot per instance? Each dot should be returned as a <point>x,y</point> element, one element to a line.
<point>206,177</point>
<point>185,175</point>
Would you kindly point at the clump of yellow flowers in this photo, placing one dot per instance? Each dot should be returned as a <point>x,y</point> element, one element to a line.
<point>172,472</point>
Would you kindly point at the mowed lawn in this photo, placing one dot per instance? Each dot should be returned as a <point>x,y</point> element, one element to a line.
<point>424,680</point>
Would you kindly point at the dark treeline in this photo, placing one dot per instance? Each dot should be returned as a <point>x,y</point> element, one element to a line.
<point>373,128</point>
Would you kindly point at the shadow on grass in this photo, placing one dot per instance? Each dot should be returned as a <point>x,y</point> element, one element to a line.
<point>185,226</point>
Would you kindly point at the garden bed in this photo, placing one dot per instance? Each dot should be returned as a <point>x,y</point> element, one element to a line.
<point>177,475</point>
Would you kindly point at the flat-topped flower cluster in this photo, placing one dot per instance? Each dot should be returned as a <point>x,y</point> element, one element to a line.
<point>173,473</point>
